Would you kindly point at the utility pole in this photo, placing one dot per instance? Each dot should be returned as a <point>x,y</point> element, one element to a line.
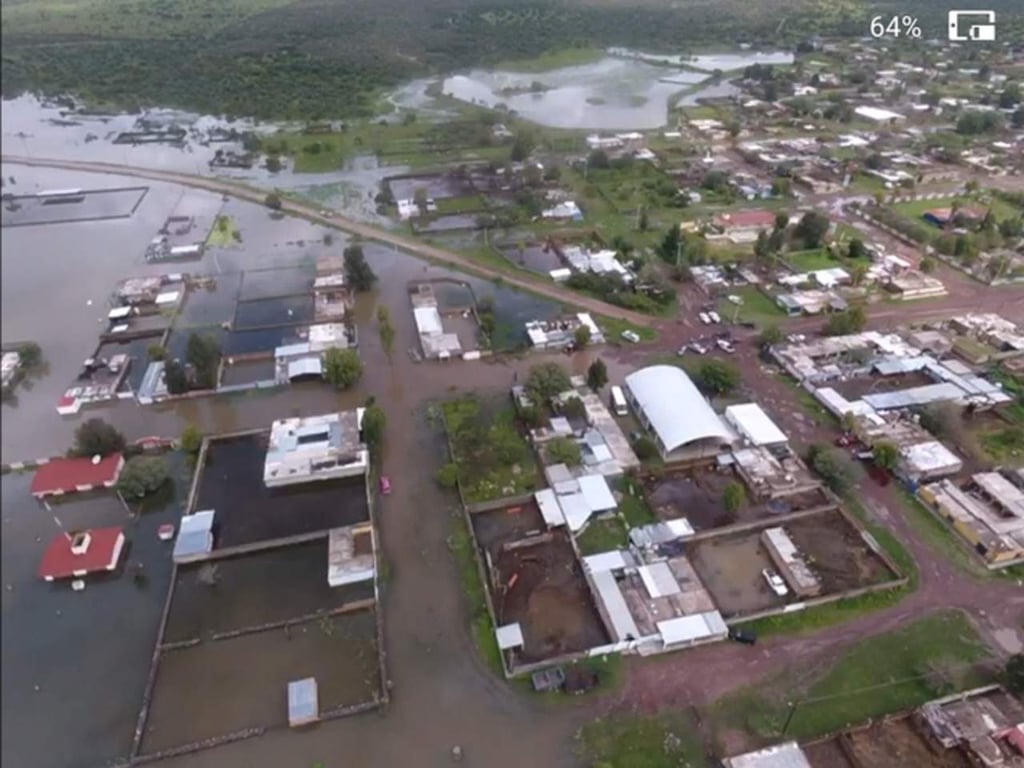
<point>789,718</point>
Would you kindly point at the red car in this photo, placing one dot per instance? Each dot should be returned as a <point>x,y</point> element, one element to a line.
<point>385,485</point>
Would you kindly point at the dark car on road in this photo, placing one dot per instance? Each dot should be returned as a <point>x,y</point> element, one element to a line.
<point>744,636</point>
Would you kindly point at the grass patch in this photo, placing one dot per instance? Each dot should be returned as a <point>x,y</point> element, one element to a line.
<point>224,234</point>
<point>809,261</point>
<point>602,536</point>
<point>461,545</point>
<point>664,741</point>
<point>556,59</point>
<point>613,328</point>
<point>915,209</point>
<point>887,673</point>
<point>491,460</point>
<point>1004,446</point>
<point>633,507</point>
<point>470,204</point>
<point>756,307</point>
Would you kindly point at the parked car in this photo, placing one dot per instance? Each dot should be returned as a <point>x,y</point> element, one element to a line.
<point>744,636</point>
<point>725,346</point>
<point>775,582</point>
<point>699,348</point>
<point>631,337</point>
<point>714,317</point>
<point>705,318</point>
<point>385,485</point>
<point>796,338</point>
<point>682,350</point>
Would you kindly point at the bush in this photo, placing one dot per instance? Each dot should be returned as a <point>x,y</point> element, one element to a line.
<point>733,497</point>
<point>844,323</point>
<point>141,476</point>
<point>832,465</point>
<point>597,375</point>
<point>357,271</point>
<point>563,450</point>
<point>581,336</point>
<point>645,449</point>
<point>573,408</point>
<point>156,352</point>
<point>175,377</point>
<point>448,475</point>
<point>272,200</point>
<point>546,381</point>
<point>203,354</point>
<point>342,367</point>
<point>191,440</point>
<point>29,355</point>
<point>97,438</point>
<point>717,378</point>
<point>374,422</point>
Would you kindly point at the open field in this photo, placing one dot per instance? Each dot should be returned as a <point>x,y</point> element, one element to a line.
<point>886,673</point>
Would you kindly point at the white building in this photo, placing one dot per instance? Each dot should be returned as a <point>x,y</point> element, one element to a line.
<point>324,447</point>
<point>754,425</point>
<point>877,115</point>
<point>680,420</point>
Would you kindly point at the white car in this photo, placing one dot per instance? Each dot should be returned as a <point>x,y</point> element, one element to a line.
<point>725,346</point>
<point>714,317</point>
<point>700,349</point>
<point>631,337</point>
<point>705,318</point>
<point>775,582</point>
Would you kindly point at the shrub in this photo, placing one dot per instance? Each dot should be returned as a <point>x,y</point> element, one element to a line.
<point>645,449</point>
<point>97,437</point>
<point>448,475</point>
<point>141,476</point>
<point>563,450</point>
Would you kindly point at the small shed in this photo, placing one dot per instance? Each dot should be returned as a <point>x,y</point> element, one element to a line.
<point>509,636</point>
<point>195,537</point>
<point>303,702</point>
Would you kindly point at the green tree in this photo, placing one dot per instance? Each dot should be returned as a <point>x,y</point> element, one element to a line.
<point>761,248</point>
<point>886,455</point>
<point>191,439</point>
<point>927,265</point>
<point>156,352</point>
<point>1013,674</point>
<point>342,367</point>
<point>832,466</point>
<point>733,497</point>
<point>781,221</point>
<point>522,145</point>
<point>716,377</point>
<point>141,476</point>
<point>29,355</point>
<point>203,354</point>
<point>597,375</point>
<point>563,450</point>
<point>272,200</point>
<point>844,323</point>
<point>573,408</point>
<point>273,165</point>
<point>357,271</point>
<point>448,475</point>
<point>96,437</point>
<point>812,229</point>
<point>598,159</point>
<point>374,422</point>
<point>175,377</point>
<point>386,330</point>
<point>546,381</point>
<point>645,449</point>
<point>771,336</point>
<point>581,336</point>
<point>642,221</point>
<point>856,249</point>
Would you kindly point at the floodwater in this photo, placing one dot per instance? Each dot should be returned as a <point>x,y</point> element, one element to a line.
<point>443,695</point>
<point>629,91</point>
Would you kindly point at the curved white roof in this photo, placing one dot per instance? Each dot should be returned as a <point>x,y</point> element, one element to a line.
<point>676,410</point>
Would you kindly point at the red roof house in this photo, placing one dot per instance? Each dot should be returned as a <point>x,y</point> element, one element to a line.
<point>740,221</point>
<point>82,553</point>
<point>68,475</point>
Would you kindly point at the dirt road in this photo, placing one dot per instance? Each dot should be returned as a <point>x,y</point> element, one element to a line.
<point>367,231</point>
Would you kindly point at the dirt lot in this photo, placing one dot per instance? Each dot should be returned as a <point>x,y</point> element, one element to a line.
<point>216,688</point>
<point>730,568</point>
<point>493,529</point>
<point>696,496</point>
<point>256,589</point>
<point>827,754</point>
<point>896,744</point>
<point>543,589</point>
<point>837,553</point>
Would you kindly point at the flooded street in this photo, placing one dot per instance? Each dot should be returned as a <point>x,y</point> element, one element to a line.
<point>443,695</point>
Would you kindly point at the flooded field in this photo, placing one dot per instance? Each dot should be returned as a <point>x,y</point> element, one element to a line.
<point>248,372</point>
<point>214,689</point>
<point>88,205</point>
<point>284,310</point>
<point>535,257</point>
<point>268,283</point>
<point>70,695</point>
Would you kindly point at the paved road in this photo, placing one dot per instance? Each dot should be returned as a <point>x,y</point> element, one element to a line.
<point>367,231</point>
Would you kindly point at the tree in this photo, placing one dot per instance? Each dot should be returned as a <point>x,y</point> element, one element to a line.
<point>581,336</point>
<point>29,355</point>
<point>644,448</point>
<point>546,381</point>
<point>357,271</point>
<point>597,375</point>
<point>733,497</point>
<point>844,323</point>
<point>858,271</point>
<point>812,229</point>
<point>342,367</point>
<point>272,201</point>
<point>717,377</point>
<point>141,476</point>
<point>96,437</point>
<point>448,475</point>
<point>598,159</point>
<point>771,336</point>
<point>274,166</point>
<point>386,330</point>
<point>203,354</point>
<point>156,352</point>
<point>191,439</point>
<point>833,467</point>
<point>573,408</point>
<point>522,146</point>
<point>642,221</point>
<point>421,199</point>
<point>374,422</point>
<point>856,249</point>
<point>1013,674</point>
<point>927,265</point>
<point>781,221</point>
<point>885,454</point>
<point>1017,119</point>
<point>175,377</point>
<point>563,450</point>
<point>761,248</point>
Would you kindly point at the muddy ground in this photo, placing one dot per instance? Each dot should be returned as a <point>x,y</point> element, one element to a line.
<point>730,568</point>
<point>837,553</point>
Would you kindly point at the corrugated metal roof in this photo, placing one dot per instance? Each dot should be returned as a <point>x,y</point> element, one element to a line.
<point>609,561</point>
<point>658,579</point>
<point>788,755</point>
<point>549,509</point>
<point>305,366</point>
<point>575,509</point>
<point>676,410</point>
<point>754,424</point>
<point>428,320</point>
<point>303,701</point>
<point>623,626</point>
<point>597,493</point>
<point>509,636</point>
<point>195,536</point>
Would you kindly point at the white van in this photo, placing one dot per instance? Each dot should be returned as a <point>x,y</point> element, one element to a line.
<point>619,402</point>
